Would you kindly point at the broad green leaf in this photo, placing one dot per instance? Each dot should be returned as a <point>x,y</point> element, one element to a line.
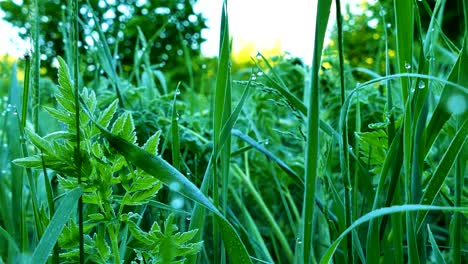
<point>51,234</point>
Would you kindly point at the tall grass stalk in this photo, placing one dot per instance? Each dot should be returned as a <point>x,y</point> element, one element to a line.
<point>312,148</point>
<point>344,149</point>
<point>75,38</point>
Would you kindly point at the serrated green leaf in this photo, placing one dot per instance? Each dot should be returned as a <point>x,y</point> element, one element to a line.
<point>142,196</point>
<point>106,116</point>
<point>61,115</point>
<point>143,183</point>
<point>101,245</point>
<point>65,103</point>
<point>118,125</point>
<point>67,183</point>
<point>162,170</point>
<point>128,129</point>
<point>152,143</point>
<point>139,234</point>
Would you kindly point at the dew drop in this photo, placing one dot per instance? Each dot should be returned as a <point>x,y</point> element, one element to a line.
<point>456,104</point>
<point>382,12</point>
<point>188,218</point>
<point>299,241</point>
<point>174,186</point>
<point>177,203</point>
<point>253,77</point>
<point>259,56</point>
<point>177,91</point>
<point>421,84</point>
<point>203,66</point>
<point>389,25</point>
<point>407,66</point>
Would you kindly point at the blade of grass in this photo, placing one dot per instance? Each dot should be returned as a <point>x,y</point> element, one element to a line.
<point>461,162</point>
<point>381,212</point>
<point>270,219</point>
<point>344,148</point>
<point>435,249</point>
<point>442,170</point>
<point>175,132</point>
<point>54,229</point>
<point>312,145</point>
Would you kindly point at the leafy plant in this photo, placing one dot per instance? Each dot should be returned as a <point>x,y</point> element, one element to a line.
<point>111,186</point>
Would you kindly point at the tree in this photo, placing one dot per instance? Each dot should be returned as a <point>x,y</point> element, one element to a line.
<point>119,21</point>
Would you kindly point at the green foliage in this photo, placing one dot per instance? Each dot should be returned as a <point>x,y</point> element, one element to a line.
<point>106,175</point>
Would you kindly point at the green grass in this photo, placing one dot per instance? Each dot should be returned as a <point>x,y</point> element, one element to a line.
<point>275,163</point>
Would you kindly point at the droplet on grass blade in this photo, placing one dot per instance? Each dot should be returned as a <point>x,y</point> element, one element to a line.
<point>174,186</point>
<point>456,104</point>
<point>177,203</point>
<point>407,66</point>
<point>421,84</point>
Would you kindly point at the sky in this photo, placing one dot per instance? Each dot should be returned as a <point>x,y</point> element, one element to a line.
<point>265,24</point>
<point>261,24</point>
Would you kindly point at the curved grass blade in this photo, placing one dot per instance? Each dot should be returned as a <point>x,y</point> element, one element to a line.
<point>435,249</point>
<point>443,169</point>
<point>379,213</point>
<point>51,234</point>
<point>166,173</point>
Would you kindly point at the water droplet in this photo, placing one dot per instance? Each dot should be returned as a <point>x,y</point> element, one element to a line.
<point>188,218</point>
<point>177,91</point>
<point>15,113</point>
<point>174,186</point>
<point>421,84</point>
<point>267,142</point>
<point>260,73</point>
<point>188,174</point>
<point>259,56</point>
<point>456,104</point>
<point>389,25</point>
<point>253,77</point>
<point>203,66</point>
<point>177,203</point>
<point>3,171</point>
<point>299,241</point>
<point>382,12</point>
<point>407,66</point>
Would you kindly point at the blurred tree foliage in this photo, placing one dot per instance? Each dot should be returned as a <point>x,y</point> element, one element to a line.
<point>364,31</point>
<point>119,21</point>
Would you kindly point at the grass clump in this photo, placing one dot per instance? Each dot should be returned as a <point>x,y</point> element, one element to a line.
<point>276,163</point>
